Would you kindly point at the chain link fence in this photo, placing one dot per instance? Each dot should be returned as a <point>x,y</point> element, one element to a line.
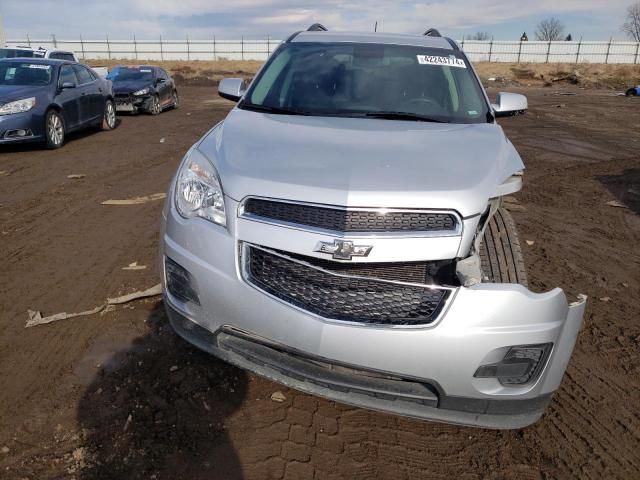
<point>213,49</point>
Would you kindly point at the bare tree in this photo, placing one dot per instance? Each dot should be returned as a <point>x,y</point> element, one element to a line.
<point>632,26</point>
<point>550,29</point>
<point>482,36</point>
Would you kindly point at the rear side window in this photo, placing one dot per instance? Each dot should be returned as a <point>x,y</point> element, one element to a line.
<point>84,76</point>
<point>62,56</point>
<point>67,75</point>
<point>15,53</point>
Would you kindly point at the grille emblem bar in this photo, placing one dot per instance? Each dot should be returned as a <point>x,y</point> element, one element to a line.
<point>343,249</point>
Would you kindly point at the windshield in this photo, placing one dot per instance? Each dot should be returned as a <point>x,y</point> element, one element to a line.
<point>15,53</point>
<point>383,81</point>
<point>24,74</point>
<point>125,74</point>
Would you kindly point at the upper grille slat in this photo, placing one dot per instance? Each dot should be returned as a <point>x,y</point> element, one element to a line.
<point>352,221</point>
<point>343,298</point>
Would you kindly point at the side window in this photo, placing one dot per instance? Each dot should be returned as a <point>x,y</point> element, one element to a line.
<point>55,56</point>
<point>164,74</point>
<point>83,74</point>
<point>67,75</point>
<point>67,56</point>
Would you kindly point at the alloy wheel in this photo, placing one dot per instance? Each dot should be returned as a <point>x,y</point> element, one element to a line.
<point>55,129</point>
<point>110,115</point>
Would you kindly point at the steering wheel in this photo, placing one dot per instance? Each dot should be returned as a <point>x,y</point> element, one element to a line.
<point>427,102</point>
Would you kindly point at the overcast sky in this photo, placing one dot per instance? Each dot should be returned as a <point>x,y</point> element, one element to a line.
<point>504,19</point>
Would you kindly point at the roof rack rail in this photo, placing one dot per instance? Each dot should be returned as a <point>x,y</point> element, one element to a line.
<point>432,32</point>
<point>317,27</point>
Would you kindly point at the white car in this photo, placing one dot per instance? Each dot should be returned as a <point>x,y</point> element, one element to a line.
<point>22,51</point>
<point>53,54</point>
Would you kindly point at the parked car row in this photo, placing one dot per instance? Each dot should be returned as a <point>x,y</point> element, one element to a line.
<point>44,99</point>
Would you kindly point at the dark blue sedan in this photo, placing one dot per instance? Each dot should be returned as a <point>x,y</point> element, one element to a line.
<point>43,100</point>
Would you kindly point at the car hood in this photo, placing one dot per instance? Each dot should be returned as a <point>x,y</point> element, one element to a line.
<point>361,162</point>
<point>130,86</point>
<point>10,93</point>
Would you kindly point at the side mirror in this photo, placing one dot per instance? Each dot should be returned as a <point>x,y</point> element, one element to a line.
<point>159,81</point>
<point>510,104</point>
<point>232,88</point>
<point>66,85</point>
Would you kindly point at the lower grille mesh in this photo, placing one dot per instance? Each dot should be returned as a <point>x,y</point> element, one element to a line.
<point>342,298</point>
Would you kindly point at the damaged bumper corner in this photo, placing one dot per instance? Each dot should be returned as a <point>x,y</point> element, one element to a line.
<point>132,103</point>
<point>398,391</point>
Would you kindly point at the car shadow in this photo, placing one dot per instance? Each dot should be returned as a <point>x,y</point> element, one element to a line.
<point>625,187</point>
<point>158,409</point>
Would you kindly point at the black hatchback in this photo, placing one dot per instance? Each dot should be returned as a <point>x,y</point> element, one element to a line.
<point>143,88</point>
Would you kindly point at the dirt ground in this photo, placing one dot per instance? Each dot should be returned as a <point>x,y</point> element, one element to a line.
<point>118,396</point>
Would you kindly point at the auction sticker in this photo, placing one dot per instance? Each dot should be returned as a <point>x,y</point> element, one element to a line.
<point>451,61</point>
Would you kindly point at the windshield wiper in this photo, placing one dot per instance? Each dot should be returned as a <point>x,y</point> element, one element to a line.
<point>404,116</point>
<point>269,109</point>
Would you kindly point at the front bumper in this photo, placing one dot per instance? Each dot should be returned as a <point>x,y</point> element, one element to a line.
<point>32,124</point>
<point>132,103</point>
<point>246,327</point>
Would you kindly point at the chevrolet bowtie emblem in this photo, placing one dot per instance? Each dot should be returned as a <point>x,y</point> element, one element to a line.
<point>343,249</point>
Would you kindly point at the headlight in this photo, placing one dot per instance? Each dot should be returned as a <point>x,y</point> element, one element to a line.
<point>198,190</point>
<point>144,91</point>
<point>18,106</point>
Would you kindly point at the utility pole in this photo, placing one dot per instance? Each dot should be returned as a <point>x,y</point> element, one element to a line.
<point>2,37</point>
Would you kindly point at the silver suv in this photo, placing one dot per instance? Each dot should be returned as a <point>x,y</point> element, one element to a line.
<point>342,232</point>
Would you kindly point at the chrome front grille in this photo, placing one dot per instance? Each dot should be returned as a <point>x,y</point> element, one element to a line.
<point>340,296</point>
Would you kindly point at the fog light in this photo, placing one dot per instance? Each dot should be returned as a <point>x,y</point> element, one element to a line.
<point>18,133</point>
<point>179,282</point>
<point>521,365</point>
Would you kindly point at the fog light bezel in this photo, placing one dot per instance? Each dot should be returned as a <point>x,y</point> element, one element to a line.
<point>188,295</point>
<point>510,361</point>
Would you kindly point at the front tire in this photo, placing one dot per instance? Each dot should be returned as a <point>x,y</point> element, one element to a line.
<point>109,118</point>
<point>54,129</point>
<point>175,99</point>
<point>500,253</point>
<point>154,107</point>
